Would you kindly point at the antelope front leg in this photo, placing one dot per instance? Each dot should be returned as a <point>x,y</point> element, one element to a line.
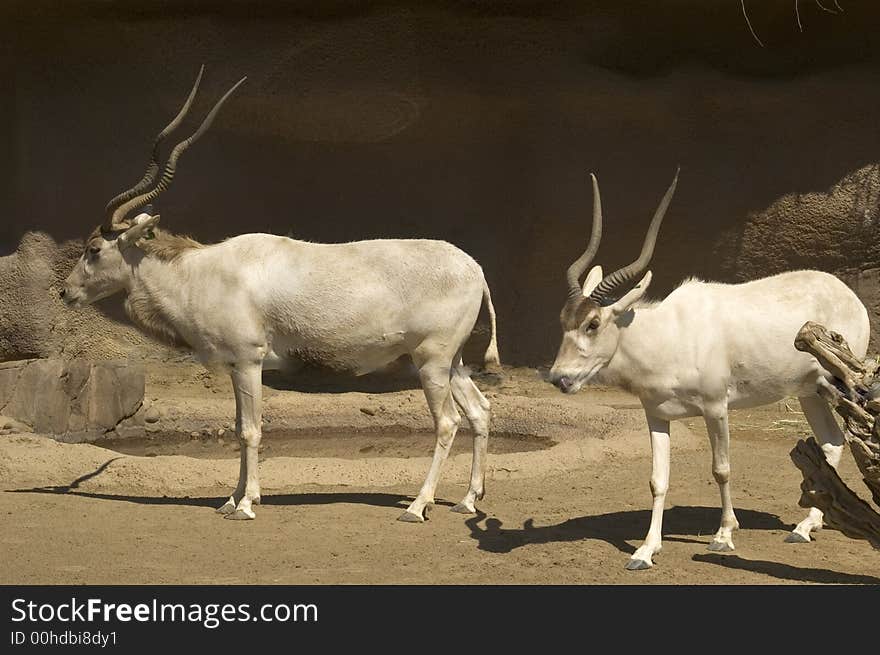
<point>247,384</point>
<point>229,506</point>
<point>643,557</point>
<point>719,437</point>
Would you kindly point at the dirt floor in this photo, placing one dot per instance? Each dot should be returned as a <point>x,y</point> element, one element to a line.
<point>567,497</point>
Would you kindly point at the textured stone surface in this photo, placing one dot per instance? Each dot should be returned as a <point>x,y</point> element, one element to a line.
<point>836,230</point>
<point>77,398</point>
<point>8,425</point>
<point>867,285</point>
<point>35,323</point>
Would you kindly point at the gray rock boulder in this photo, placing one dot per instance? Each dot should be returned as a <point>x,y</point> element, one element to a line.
<point>76,397</point>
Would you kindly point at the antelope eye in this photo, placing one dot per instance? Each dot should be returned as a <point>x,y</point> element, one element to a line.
<point>592,325</point>
<point>94,251</point>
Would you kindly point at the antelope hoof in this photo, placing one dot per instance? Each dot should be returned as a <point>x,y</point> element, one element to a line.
<point>796,538</point>
<point>720,547</point>
<point>638,565</point>
<point>409,517</point>
<point>241,515</point>
<point>463,508</point>
<point>226,508</point>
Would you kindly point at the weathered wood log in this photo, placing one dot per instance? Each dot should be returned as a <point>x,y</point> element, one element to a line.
<point>822,488</point>
<point>832,352</point>
<point>855,395</point>
<point>858,421</point>
<point>868,460</point>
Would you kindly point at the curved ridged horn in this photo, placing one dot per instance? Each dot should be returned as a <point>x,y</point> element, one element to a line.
<point>580,264</point>
<point>153,168</point>
<point>603,294</point>
<point>171,165</point>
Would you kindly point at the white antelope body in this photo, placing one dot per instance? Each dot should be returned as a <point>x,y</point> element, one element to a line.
<point>706,348</point>
<point>258,301</point>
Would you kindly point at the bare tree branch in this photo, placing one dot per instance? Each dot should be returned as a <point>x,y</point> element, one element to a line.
<point>797,13</point>
<point>749,23</point>
<point>824,8</point>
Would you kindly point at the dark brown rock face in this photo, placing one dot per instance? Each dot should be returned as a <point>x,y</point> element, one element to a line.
<point>476,123</point>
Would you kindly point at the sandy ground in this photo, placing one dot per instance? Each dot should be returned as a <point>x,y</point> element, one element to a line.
<point>567,498</point>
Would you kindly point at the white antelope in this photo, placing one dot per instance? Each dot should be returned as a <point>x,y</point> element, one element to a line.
<point>257,301</point>
<point>703,350</point>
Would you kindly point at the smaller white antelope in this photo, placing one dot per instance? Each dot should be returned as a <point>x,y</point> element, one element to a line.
<point>706,348</point>
<point>260,301</point>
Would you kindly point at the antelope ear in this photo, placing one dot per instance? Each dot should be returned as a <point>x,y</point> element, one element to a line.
<point>594,277</point>
<point>141,227</point>
<point>632,296</point>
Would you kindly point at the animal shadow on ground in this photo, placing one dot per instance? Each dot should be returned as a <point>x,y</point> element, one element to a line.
<point>619,528</point>
<point>785,571</point>
<point>374,499</point>
<point>615,528</point>
<point>69,488</point>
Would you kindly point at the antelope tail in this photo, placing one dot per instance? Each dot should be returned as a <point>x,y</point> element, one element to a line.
<point>491,355</point>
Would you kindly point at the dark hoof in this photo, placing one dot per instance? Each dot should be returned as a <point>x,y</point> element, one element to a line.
<point>796,538</point>
<point>637,565</point>
<point>241,515</point>
<point>409,517</point>
<point>461,508</point>
<point>720,547</point>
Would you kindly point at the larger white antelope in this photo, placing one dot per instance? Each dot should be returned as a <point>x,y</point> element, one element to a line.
<point>256,300</point>
<point>706,348</point>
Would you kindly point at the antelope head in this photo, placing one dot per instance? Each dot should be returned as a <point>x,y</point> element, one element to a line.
<point>105,265</point>
<point>592,316</point>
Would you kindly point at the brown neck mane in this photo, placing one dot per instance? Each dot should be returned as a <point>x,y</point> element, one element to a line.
<point>166,246</point>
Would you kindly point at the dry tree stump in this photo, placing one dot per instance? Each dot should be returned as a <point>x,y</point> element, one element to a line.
<point>854,393</point>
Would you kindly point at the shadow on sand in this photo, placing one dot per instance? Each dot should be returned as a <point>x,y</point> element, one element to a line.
<point>616,528</point>
<point>374,499</point>
<point>284,500</point>
<point>620,528</point>
<point>785,571</point>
